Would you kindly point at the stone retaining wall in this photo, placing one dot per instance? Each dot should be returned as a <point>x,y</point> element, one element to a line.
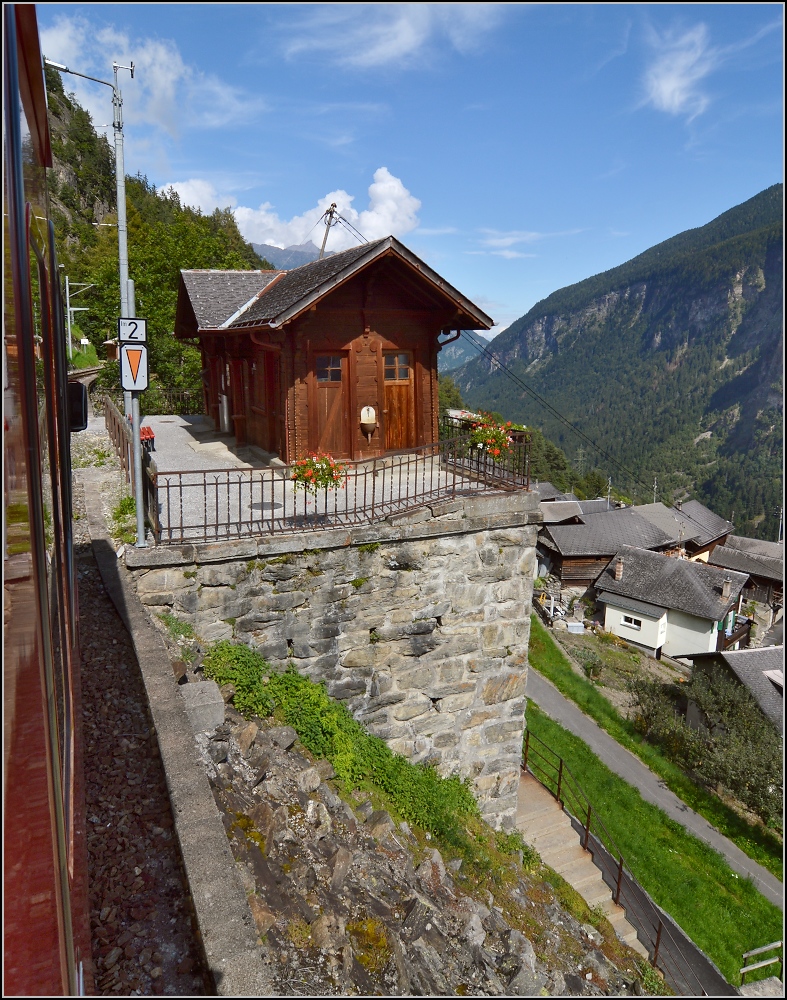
<point>420,624</point>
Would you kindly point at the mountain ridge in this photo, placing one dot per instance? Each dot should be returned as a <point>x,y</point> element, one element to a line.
<point>671,362</point>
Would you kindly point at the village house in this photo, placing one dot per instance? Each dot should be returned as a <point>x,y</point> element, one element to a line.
<point>762,560</point>
<point>760,671</point>
<point>338,356</point>
<point>670,605</point>
<point>577,552</point>
<point>699,529</point>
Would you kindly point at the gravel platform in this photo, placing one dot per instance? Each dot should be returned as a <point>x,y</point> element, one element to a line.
<point>143,935</point>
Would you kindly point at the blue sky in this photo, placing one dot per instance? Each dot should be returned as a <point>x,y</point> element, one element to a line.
<point>517,148</point>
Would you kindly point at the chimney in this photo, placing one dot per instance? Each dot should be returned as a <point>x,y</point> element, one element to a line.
<point>619,568</point>
<point>678,504</point>
<point>726,589</point>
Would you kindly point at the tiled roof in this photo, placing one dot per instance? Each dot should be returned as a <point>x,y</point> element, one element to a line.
<point>667,582</point>
<point>629,604</point>
<point>599,506</point>
<point>297,284</point>
<point>695,522</point>
<point>747,562</point>
<point>757,546</point>
<point>301,286</point>
<point>749,666</point>
<point>556,511</point>
<point>546,491</point>
<point>216,295</point>
<point>603,534</point>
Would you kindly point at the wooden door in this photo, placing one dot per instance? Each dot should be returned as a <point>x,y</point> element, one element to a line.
<point>399,401</point>
<point>265,402</point>
<point>328,425</point>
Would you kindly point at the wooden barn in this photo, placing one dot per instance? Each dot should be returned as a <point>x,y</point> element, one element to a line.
<point>338,356</point>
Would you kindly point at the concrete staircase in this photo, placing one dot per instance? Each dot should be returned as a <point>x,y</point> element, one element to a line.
<point>545,826</point>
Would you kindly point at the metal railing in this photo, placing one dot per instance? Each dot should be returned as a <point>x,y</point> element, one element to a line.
<point>120,434</point>
<point>156,402</point>
<point>655,931</point>
<point>213,505</point>
<point>773,946</point>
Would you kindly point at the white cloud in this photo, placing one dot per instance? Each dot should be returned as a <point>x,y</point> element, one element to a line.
<point>392,211</point>
<point>166,92</point>
<point>198,193</point>
<point>503,241</point>
<point>672,81</point>
<point>372,35</point>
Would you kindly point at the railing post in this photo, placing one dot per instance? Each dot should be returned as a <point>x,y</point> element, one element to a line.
<point>560,780</point>
<point>620,880</point>
<point>658,944</point>
<point>587,830</point>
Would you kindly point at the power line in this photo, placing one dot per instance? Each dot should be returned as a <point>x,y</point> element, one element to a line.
<point>486,352</point>
<point>491,356</point>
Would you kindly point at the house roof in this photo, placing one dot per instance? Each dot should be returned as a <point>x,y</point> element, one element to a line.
<point>629,604</point>
<point>695,523</point>
<point>216,295</point>
<point>280,296</point>
<point>556,511</point>
<point>747,562</point>
<point>676,584</point>
<point>751,667</point>
<point>757,546</point>
<point>604,533</point>
<point>546,491</point>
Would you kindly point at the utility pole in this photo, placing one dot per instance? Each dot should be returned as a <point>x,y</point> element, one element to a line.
<point>331,217</point>
<point>581,461</point>
<point>781,520</point>
<point>120,182</point>
<point>609,491</point>
<point>130,399</point>
<point>655,481</point>
<point>81,286</point>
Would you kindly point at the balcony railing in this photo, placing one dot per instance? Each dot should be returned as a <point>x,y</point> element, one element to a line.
<point>231,503</point>
<point>217,504</point>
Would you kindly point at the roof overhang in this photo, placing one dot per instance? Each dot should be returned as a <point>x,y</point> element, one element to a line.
<point>388,247</point>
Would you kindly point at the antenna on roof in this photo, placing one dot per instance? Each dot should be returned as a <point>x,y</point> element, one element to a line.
<point>331,217</point>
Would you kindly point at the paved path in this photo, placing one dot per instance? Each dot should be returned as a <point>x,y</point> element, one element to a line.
<point>649,785</point>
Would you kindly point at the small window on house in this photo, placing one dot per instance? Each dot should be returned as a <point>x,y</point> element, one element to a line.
<point>329,368</point>
<point>397,367</point>
<point>632,622</point>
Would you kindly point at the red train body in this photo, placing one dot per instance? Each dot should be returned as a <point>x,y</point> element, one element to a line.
<point>46,933</point>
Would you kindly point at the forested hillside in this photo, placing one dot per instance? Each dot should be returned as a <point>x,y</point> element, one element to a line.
<point>671,363</point>
<point>163,237</point>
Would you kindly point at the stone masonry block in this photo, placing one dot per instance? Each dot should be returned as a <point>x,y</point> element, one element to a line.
<point>204,705</point>
<point>498,689</point>
<point>159,580</point>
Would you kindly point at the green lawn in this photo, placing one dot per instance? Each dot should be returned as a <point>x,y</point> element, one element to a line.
<point>759,843</point>
<point>721,912</point>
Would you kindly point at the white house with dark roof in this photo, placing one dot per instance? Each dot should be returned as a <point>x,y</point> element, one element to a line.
<point>668,605</point>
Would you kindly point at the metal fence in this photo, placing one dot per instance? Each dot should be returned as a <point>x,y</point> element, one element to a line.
<point>229,503</point>
<point>686,969</point>
<point>156,401</point>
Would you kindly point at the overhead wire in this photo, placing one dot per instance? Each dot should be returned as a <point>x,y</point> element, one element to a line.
<point>490,355</point>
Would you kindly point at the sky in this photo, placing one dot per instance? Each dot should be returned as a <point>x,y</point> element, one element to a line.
<point>516,148</point>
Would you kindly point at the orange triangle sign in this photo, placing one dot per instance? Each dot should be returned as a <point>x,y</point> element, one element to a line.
<point>134,357</point>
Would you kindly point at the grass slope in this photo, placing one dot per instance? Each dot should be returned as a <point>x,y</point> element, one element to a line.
<point>754,840</point>
<point>722,913</point>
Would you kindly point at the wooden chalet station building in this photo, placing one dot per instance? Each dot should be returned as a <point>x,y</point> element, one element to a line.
<point>338,356</point>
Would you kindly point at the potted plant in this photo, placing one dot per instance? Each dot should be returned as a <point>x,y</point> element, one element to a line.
<point>319,472</point>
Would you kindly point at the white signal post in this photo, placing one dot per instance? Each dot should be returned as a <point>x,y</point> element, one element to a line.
<point>133,335</point>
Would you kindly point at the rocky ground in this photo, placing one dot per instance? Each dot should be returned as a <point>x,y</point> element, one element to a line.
<point>349,902</point>
<point>346,900</point>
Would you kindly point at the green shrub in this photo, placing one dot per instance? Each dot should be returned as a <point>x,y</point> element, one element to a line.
<point>326,729</point>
